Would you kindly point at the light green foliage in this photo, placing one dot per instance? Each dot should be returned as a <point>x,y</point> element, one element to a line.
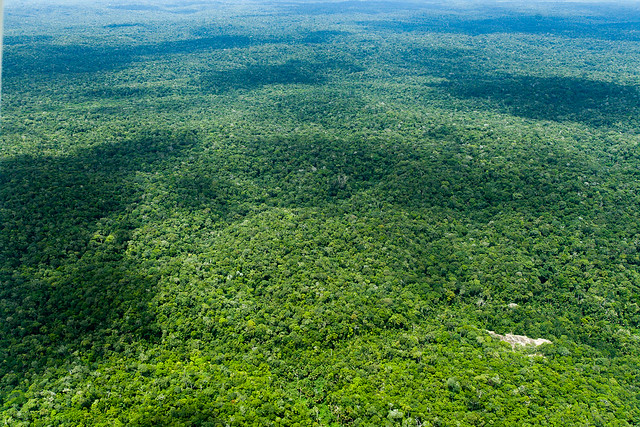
<point>301,214</point>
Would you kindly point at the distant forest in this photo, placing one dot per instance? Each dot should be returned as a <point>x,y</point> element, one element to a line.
<point>313,213</point>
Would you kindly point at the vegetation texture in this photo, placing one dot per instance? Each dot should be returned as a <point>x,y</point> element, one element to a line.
<point>292,214</point>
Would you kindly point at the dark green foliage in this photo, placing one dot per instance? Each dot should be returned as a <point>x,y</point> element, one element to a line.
<point>313,214</point>
<point>50,59</point>
<point>292,72</point>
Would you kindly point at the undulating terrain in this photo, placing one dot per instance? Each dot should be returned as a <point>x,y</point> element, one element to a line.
<point>312,213</point>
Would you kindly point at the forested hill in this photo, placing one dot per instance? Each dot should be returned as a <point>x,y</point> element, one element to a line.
<point>312,213</point>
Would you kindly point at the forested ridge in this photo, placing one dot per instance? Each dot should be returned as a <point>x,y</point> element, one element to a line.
<point>308,213</point>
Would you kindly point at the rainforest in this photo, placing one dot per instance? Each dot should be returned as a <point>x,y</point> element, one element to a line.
<point>320,213</point>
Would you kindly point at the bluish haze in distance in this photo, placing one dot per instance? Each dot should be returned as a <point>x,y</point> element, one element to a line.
<point>287,213</point>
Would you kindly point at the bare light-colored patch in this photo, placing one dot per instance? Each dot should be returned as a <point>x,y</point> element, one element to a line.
<point>520,340</point>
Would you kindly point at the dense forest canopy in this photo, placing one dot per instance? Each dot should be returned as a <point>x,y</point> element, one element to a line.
<point>313,213</point>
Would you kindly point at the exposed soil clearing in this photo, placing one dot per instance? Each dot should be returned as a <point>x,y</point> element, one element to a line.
<point>520,340</point>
